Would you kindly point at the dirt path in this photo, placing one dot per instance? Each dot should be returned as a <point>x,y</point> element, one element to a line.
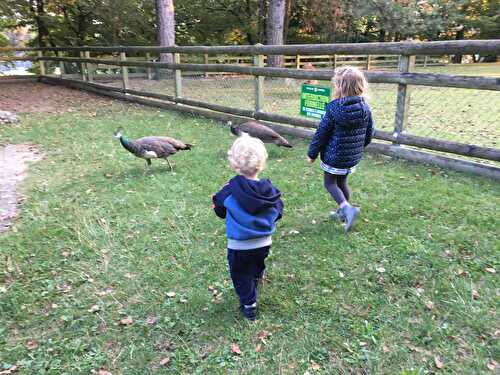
<point>31,97</point>
<point>34,97</point>
<point>13,169</point>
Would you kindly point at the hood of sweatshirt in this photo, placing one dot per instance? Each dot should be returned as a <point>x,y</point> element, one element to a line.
<point>253,195</point>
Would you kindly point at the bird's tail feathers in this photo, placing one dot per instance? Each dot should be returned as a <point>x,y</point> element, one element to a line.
<point>189,146</point>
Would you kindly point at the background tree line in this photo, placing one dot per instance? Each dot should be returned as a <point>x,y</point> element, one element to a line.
<point>210,22</point>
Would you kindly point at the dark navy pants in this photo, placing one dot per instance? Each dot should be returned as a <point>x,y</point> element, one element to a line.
<point>245,267</point>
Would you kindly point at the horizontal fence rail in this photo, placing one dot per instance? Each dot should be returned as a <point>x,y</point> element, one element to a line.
<point>398,48</point>
<point>116,65</point>
<point>425,79</point>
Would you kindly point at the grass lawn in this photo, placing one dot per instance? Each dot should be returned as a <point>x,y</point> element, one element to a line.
<point>407,292</point>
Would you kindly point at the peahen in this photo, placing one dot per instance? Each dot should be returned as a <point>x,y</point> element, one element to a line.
<point>258,130</point>
<point>152,147</point>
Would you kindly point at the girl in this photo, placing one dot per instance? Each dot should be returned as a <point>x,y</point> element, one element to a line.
<point>344,131</point>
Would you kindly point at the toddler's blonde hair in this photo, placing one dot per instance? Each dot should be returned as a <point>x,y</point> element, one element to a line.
<point>247,156</point>
<point>349,81</point>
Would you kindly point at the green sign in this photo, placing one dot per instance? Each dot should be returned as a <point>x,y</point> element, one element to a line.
<point>313,100</point>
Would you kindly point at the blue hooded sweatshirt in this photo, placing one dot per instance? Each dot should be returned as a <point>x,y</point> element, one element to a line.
<point>251,209</point>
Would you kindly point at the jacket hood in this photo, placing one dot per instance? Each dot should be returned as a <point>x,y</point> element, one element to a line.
<point>252,195</point>
<point>350,109</point>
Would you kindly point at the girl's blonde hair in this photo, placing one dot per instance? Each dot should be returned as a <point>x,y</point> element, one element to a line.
<point>349,81</point>
<point>247,156</point>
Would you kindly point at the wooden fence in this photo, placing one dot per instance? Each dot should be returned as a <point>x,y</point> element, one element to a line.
<point>393,142</point>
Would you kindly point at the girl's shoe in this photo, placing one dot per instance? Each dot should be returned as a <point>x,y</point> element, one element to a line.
<point>338,215</point>
<point>351,214</point>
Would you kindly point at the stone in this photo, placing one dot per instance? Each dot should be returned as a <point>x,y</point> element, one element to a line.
<point>8,117</point>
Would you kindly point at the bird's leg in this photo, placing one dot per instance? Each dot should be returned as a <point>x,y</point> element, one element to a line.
<point>148,164</point>
<point>170,165</point>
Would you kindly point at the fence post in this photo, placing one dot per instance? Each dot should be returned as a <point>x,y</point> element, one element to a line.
<point>334,62</point>
<point>368,62</point>
<point>61,65</point>
<point>297,62</point>
<point>258,61</point>
<point>42,63</point>
<point>149,72</point>
<point>178,76</point>
<point>406,62</point>
<point>425,60</point>
<point>205,60</point>
<point>123,57</point>
<point>90,69</point>
<point>82,67</point>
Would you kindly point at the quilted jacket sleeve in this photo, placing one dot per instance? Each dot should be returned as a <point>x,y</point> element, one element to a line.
<point>370,130</point>
<point>322,134</point>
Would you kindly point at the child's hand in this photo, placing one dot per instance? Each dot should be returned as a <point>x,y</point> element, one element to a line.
<point>309,160</point>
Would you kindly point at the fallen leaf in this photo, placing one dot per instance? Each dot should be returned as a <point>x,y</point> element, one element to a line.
<point>12,369</point>
<point>380,269</point>
<point>315,366</point>
<point>183,300</point>
<point>460,273</point>
<point>293,231</point>
<point>235,349</point>
<point>94,308</point>
<point>152,320</point>
<point>31,344</point>
<point>341,274</point>
<point>258,348</point>
<point>104,372</point>
<point>362,343</point>
<point>126,321</point>
<point>164,361</point>
<point>385,349</point>
<point>475,294</point>
<point>437,361</point>
<point>490,270</point>
<point>263,335</point>
<point>307,373</point>
<point>429,305</point>
<point>492,364</point>
<point>171,294</point>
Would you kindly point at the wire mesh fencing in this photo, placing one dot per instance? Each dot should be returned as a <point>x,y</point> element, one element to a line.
<point>460,115</point>
<point>230,90</point>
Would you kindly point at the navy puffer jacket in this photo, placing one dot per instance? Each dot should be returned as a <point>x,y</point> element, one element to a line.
<point>344,131</point>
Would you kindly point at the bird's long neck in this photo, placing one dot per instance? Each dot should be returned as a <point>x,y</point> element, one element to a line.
<point>130,146</point>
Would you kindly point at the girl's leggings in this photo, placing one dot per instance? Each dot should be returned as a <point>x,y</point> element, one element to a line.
<point>337,187</point>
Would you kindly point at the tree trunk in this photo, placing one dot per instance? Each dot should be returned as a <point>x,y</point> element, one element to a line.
<point>381,35</point>
<point>165,27</point>
<point>275,23</point>
<point>288,15</point>
<point>38,10</point>
<point>457,59</point>
<point>261,22</point>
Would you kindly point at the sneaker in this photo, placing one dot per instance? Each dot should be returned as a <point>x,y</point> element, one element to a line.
<point>351,214</point>
<point>338,215</point>
<point>250,313</point>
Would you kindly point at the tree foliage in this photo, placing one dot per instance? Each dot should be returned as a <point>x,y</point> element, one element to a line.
<point>133,22</point>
